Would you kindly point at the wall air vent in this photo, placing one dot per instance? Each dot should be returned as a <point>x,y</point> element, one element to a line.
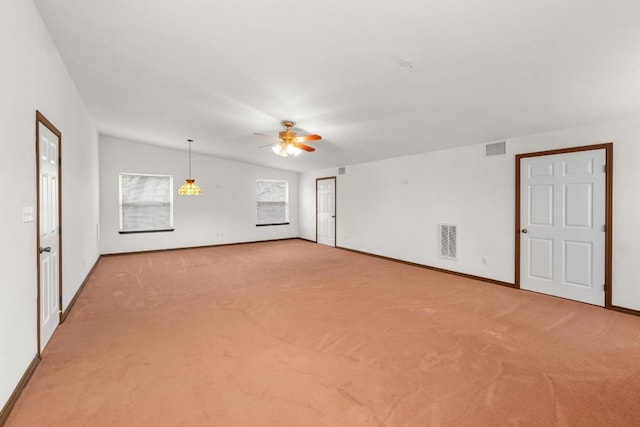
<point>495,149</point>
<point>342,170</point>
<point>449,241</point>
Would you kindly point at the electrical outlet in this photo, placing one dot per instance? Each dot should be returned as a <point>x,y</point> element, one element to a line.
<point>485,260</point>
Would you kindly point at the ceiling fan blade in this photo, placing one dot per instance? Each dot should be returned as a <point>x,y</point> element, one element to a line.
<point>307,138</point>
<point>304,147</point>
<point>268,145</point>
<point>268,136</point>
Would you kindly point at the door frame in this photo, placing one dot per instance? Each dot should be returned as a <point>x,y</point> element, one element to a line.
<point>608,239</point>
<point>41,119</point>
<point>335,208</point>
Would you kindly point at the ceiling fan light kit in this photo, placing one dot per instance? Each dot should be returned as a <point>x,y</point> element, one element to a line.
<point>283,150</point>
<point>289,143</point>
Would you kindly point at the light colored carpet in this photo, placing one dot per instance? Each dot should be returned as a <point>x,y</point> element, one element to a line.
<point>296,334</point>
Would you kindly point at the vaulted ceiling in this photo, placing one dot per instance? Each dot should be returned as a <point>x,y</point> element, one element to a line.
<point>376,79</point>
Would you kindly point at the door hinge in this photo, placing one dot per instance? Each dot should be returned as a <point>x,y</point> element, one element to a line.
<point>60,301</point>
<point>604,228</point>
<point>604,168</point>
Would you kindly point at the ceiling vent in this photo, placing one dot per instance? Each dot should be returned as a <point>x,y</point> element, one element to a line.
<point>449,241</point>
<point>495,149</point>
<point>342,170</point>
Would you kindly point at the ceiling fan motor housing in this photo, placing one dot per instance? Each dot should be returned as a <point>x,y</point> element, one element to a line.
<point>287,135</point>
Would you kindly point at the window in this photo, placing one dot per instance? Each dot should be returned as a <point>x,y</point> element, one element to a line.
<point>146,203</point>
<point>272,199</point>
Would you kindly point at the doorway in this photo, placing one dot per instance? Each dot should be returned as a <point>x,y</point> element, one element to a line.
<point>49,253</point>
<point>563,223</point>
<point>326,211</point>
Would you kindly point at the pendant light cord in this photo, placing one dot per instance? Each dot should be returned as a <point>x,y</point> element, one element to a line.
<point>190,141</point>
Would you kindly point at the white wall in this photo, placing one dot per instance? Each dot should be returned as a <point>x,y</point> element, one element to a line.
<point>33,77</point>
<point>393,207</point>
<point>224,213</point>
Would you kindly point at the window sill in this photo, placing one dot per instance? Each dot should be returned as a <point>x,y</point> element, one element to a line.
<point>160,230</point>
<point>269,225</point>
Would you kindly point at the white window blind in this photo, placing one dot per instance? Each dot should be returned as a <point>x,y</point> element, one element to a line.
<point>272,200</point>
<point>146,202</point>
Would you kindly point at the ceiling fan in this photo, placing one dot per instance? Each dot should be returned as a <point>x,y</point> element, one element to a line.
<point>289,143</point>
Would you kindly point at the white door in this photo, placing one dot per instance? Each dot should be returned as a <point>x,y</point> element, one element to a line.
<point>562,217</point>
<point>49,250</point>
<point>326,215</point>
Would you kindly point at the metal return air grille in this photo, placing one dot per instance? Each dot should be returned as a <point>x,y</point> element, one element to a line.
<point>495,149</point>
<point>449,241</point>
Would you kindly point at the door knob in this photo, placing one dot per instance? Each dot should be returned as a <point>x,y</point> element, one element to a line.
<point>47,249</point>
<point>525,231</point>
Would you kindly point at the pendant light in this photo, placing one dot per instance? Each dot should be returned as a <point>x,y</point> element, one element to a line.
<point>189,188</point>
